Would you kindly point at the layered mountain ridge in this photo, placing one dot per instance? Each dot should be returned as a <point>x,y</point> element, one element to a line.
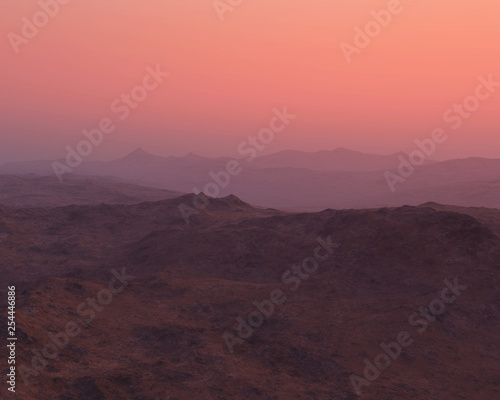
<point>301,181</point>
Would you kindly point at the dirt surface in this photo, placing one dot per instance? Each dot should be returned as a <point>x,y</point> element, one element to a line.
<point>185,287</point>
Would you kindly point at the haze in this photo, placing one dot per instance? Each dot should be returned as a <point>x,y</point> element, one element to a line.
<point>226,76</point>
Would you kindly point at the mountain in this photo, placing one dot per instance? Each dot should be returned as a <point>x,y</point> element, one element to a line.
<point>47,191</point>
<point>179,173</point>
<point>182,291</point>
<point>40,167</point>
<point>295,180</point>
<point>328,160</point>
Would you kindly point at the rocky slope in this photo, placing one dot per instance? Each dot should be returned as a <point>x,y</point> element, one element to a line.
<point>162,335</point>
<point>47,191</point>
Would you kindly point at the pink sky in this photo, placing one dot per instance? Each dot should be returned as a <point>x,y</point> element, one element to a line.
<point>227,76</point>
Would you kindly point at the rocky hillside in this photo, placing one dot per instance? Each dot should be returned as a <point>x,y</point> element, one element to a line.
<point>37,191</point>
<point>160,309</point>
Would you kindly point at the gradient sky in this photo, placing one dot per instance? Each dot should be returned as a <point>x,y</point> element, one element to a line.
<point>226,76</point>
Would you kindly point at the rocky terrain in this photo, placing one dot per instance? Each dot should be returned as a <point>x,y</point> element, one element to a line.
<point>47,191</point>
<point>170,331</point>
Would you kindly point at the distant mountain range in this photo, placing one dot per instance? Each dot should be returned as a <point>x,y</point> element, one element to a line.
<point>35,191</point>
<point>328,160</point>
<point>296,180</point>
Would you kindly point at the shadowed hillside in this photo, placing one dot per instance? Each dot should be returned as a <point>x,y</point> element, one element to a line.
<point>36,191</point>
<point>188,285</point>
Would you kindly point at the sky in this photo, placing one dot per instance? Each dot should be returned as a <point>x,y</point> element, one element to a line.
<point>230,66</point>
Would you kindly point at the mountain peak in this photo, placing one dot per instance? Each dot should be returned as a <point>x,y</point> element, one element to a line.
<point>139,151</point>
<point>137,154</point>
<point>192,156</point>
<point>345,150</point>
<point>214,203</point>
